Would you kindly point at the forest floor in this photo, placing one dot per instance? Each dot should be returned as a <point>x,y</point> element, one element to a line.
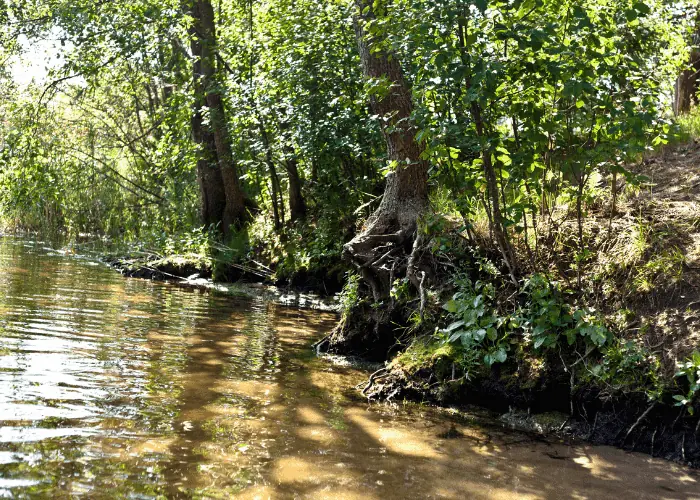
<point>670,205</point>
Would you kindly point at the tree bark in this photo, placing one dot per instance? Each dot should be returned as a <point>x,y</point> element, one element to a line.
<point>493,209</point>
<point>211,187</point>
<point>686,91</point>
<point>275,189</point>
<point>496,217</point>
<point>215,143</point>
<point>297,205</point>
<point>405,196</point>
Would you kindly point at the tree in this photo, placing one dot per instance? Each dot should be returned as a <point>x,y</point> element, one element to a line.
<point>405,197</point>
<point>223,199</point>
<point>686,88</point>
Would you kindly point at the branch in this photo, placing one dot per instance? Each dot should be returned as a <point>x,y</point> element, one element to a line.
<point>58,81</point>
<point>115,172</point>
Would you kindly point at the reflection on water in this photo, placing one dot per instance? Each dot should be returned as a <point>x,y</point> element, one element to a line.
<point>116,388</point>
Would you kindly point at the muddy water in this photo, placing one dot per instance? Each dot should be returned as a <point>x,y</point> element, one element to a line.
<point>116,388</point>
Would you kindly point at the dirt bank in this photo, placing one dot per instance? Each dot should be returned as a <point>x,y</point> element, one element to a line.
<point>617,357</point>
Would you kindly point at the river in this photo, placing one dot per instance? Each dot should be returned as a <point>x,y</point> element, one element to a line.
<point>127,388</point>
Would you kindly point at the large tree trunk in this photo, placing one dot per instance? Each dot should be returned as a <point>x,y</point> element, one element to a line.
<point>405,197</point>
<point>388,246</point>
<point>211,186</point>
<point>214,136</point>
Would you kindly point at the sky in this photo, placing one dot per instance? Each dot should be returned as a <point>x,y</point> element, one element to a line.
<point>37,58</point>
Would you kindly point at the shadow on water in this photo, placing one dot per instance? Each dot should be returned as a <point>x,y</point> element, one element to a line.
<point>129,388</point>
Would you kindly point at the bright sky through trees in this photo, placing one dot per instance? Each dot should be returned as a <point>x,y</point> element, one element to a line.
<point>38,57</point>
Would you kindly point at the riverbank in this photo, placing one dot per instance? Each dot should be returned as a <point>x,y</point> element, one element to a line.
<point>148,390</point>
<point>196,272</point>
<point>602,325</point>
<point>600,348</point>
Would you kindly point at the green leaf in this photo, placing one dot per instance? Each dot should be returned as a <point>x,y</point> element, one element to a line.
<point>491,333</point>
<point>454,326</point>
<point>450,306</point>
<point>500,355</point>
<point>642,8</point>
<point>539,341</point>
<point>479,334</point>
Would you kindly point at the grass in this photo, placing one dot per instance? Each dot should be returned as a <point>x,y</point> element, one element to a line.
<point>688,126</point>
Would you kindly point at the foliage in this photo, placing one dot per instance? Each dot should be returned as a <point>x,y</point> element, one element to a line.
<point>565,90</point>
<point>627,365</point>
<point>545,319</point>
<point>548,318</point>
<point>350,295</point>
<point>525,109</point>
<point>477,326</point>
<point>690,370</point>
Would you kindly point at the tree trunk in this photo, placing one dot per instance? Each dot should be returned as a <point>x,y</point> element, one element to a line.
<point>406,193</point>
<point>275,190</point>
<point>686,90</point>
<point>217,146</point>
<point>496,217</point>
<point>497,229</point>
<point>297,205</point>
<point>211,187</point>
<point>389,245</point>
<point>687,86</point>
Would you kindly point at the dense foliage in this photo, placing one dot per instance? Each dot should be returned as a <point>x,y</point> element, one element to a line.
<point>555,94</point>
<point>164,120</point>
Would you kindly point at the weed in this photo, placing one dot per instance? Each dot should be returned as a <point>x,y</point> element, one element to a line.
<point>350,295</point>
<point>690,371</point>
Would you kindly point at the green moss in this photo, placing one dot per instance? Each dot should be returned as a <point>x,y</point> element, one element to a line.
<point>424,353</point>
<point>182,262</point>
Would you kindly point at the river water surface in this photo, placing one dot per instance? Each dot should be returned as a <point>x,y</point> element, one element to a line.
<point>125,388</point>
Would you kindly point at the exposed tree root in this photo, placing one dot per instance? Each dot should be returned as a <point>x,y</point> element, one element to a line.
<point>639,420</point>
<point>378,374</point>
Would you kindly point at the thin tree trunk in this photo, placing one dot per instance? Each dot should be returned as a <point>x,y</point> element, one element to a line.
<point>275,191</point>
<point>497,229</point>
<point>297,206</point>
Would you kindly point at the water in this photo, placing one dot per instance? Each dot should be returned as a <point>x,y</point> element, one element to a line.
<point>117,388</point>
